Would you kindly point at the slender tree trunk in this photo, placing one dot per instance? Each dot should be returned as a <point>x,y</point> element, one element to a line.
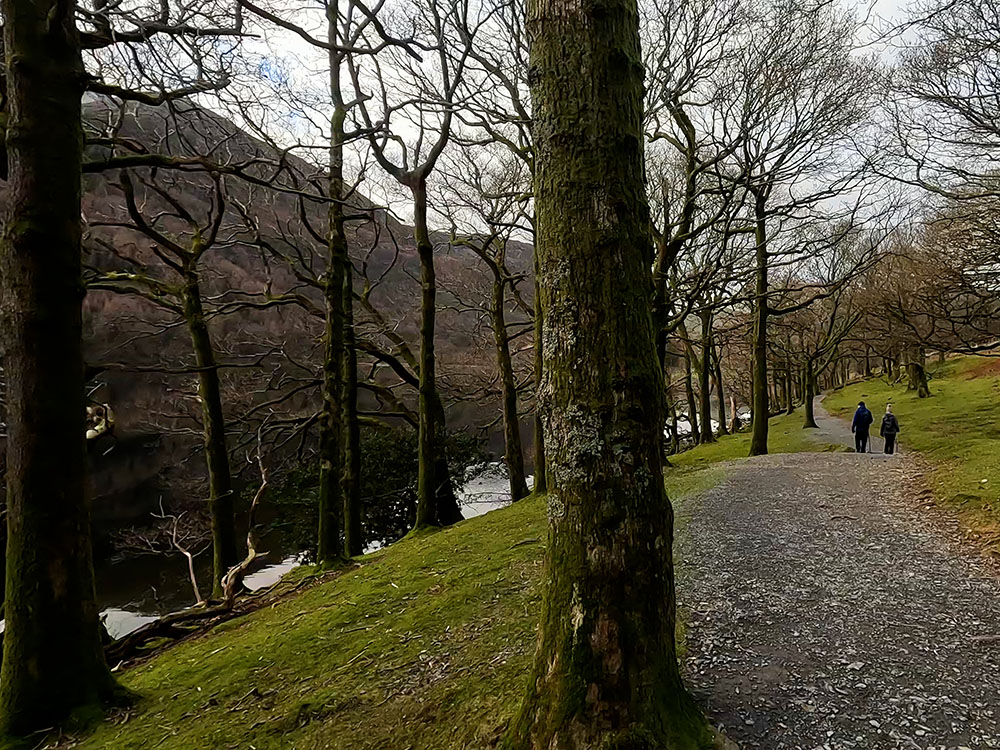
<point>605,673</point>
<point>761,405</point>
<point>705,378</point>
<point>220,477</point>
<point>354,539</point>
<point>541,483</point>
<point>787,381</point>
<point>689,390</point>
<point>809,381</point>
<point>53,662</point>
<point>436,501</point>
<point>719,392</point>
<point>341,481</point>
<point>513,454</point>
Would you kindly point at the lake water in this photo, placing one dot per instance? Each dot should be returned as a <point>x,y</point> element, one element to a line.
<point>132,591</point>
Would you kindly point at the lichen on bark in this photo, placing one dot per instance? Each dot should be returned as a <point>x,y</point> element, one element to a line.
<point>605,672</point>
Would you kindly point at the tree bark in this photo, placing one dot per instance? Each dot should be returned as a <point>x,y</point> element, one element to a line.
<point>541,484</point>
<point>719,391</point>
<point>513,452</point>
<point>345,471</point>
<point>787,382</point>
<point>809,381</point>
<point>705,378</point>
<point>436,501</point>
<point>917,374</point>
<point>353,531</point>
<point>605,672</point>
<point>53,662</point>
<point>220,477</point>
<point>761,404</point>
<point>689,391</point>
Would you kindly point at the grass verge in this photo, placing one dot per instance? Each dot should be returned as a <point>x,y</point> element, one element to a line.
<point>957,430</point>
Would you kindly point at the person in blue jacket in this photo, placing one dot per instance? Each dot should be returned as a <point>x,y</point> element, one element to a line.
<point>862,421</point>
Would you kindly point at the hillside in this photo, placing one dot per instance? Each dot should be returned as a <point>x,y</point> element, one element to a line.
<point>142,352</point>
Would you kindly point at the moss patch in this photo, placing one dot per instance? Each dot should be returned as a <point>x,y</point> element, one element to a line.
<point>957,430</point>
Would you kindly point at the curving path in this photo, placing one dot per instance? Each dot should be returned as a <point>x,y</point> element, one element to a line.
<point>825,611</point>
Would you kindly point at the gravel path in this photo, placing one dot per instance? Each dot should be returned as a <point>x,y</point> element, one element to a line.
<point>825,611</point>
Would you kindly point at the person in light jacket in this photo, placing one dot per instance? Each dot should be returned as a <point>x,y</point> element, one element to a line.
<point>889,429</point>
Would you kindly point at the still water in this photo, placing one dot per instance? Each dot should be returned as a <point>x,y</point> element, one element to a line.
<point>132,591</point>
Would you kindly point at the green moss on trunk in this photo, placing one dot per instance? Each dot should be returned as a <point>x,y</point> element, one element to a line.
<point>220,481</point>
<point>53,663</point>
<point>605,673</point>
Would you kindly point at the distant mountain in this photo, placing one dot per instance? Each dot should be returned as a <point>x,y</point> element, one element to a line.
<point>129,339</point>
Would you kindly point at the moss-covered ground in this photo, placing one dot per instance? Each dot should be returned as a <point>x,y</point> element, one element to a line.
<point>957,431</point>
<point>423,645</point>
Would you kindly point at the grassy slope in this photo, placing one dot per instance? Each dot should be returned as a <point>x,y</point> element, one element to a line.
<point>957,430</point>
<point>425,645</point>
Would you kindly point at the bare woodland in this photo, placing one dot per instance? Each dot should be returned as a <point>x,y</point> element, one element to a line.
<point>271,233</point>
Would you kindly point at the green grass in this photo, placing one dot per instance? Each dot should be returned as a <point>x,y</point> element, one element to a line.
<point>425,645</point>
<point>957,430</point>
<point>785,435</point>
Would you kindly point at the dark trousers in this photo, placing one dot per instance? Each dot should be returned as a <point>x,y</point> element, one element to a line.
<point>890,443</point>
<point>861,441</point>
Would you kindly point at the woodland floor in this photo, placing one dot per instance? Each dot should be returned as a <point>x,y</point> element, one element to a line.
<point>827,607</point>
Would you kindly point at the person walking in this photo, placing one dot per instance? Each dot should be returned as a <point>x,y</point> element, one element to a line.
<point>862,422</point>
<point>889,430</point>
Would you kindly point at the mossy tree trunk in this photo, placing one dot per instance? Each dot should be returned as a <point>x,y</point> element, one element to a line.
<point>787,382</point>
<point>513,451</point>
<point>541,481</point>
<point>719,391</point>
<point>353,531</point>
<point>916,374</point>
<point>761,402</point>
<point>436,501</point>
<point>605,672</point>
<point>689,392</point>
<point>809,383</point>
<point>220,477</point>
<point>53,662</point>
<point>705,378</point>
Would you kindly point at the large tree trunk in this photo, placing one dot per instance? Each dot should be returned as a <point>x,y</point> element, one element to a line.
<point>541,484</point>
<point>53,662</point>
<point>809,382</point>
<point>220,477</point>
<point>605,672</point>
<point>513,453</point>
<point>761,404</point>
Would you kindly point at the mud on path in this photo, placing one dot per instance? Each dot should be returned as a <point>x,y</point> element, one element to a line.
<point>824,611</point>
